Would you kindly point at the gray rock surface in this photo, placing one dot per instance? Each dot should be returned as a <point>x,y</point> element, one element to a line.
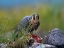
<point>39,45</point>
<point>3,45</point>
<point>55,37</point>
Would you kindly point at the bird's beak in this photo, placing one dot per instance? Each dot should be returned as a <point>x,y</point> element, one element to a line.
<point>32,18</point>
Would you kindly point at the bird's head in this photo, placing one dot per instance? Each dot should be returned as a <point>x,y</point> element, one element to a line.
<point>35,17</point>
<point>34,21</point>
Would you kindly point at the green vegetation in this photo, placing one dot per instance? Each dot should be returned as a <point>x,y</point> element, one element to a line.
<point>50,17</point>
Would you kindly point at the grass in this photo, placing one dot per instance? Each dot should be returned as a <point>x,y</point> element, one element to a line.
<point>49,18</point>
<point>3,39</point>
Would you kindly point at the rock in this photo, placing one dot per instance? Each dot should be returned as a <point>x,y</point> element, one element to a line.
<point>56,37</point>
<point>3,45</point>
<point>39,45</point>
<point>49,46</point>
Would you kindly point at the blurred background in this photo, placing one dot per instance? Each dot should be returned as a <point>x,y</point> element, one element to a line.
<point>12,11</point>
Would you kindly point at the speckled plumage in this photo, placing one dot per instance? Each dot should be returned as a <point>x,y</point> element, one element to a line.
<point>24,23</point>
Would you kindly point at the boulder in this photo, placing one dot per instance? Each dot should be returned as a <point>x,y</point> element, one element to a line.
<point>39,45</point>
<point>3,45</point>
<point>56,37</point>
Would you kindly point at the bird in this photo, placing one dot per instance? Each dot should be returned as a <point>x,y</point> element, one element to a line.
<point>32,21</point>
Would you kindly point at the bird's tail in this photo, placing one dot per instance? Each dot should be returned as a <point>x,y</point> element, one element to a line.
<point>15,34</point>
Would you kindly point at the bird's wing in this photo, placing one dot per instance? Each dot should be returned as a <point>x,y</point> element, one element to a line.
<point>24,22</point>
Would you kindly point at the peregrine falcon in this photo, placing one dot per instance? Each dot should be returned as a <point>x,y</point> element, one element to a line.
<point>31,21</point>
